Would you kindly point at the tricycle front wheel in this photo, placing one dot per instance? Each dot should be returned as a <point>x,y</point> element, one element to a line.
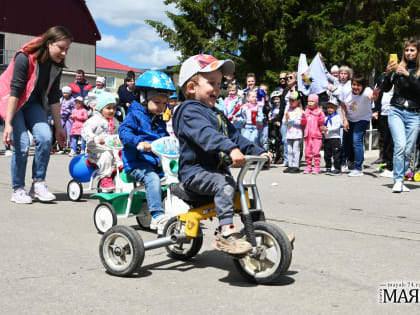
<point>273,258</point>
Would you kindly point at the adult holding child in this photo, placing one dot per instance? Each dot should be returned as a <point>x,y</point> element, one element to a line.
<point>28,89</point>
<point>404,114</point>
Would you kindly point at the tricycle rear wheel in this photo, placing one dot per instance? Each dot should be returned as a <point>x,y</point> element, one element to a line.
<point>182,250</point>
<point>121,250</point>
<point>104,217</point>
<point>74,190</point>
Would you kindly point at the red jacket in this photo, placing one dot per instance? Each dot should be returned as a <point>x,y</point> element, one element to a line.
<point>6,78</point>
<point>313,119</point>
<point>76,91</point>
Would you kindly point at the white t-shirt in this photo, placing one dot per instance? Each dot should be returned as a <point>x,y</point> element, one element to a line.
<point>344,90</point>
<point>359,107</point>
<point>386,102</point>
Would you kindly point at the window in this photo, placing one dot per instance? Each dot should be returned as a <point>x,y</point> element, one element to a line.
<point>2,51</point>
<point>110,82</point>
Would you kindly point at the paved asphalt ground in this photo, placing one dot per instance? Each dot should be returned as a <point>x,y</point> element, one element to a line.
<point>352,235</point>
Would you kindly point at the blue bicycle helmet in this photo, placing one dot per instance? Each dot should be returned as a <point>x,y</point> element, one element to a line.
<point>155,80</point>
<point>173,96</point>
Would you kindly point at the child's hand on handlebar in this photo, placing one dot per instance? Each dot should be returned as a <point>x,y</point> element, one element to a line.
<point>144,146</point>
<point>238,159</point>
<point>269,160</point>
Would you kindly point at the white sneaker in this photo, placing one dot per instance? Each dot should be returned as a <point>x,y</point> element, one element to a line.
<point>72,153</point>
<point>387,173</point>
<point>40,191</point>
<point>8,153</point>
<point>405,188</point>
<point>158,223</point>
<point>398,187</point>
<point>355,173</point>
<point>21,196</point>
<point>344,168</point>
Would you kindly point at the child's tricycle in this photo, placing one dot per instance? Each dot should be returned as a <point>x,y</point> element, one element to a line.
<point>122,249</point>
<point>83,171</point>
<point>121,205</point>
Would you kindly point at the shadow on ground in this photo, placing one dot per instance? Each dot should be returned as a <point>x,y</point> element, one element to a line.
<point>210,259</point>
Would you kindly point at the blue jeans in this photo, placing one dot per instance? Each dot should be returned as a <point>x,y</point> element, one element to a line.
<point>404,126</point>
<point>251,133</point>
<point>263,137</point>
<point>353,140</point>
<point>75,139</point>
<point>283,131</point>
<point>31,117</point>
<point>151,180</point>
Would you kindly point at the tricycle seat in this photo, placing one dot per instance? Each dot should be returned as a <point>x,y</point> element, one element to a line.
<point>194,199</point>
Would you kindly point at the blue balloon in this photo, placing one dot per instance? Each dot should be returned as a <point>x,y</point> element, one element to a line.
<point>79,168</point>
<point>155,80</point>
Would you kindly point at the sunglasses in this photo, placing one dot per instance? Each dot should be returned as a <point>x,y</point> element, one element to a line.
<point>290,77</point>
<point>282,78</point>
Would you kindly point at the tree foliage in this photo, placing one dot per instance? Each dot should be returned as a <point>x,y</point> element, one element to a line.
<point>267,36</point>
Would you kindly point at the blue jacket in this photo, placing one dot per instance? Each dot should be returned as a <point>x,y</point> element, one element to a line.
<point>197,128</point>
<point>138,127</point>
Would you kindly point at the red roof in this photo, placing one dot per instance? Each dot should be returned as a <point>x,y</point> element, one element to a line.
<point>104,63</point>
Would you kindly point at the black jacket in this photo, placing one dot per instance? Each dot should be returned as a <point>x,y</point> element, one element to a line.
<point>405,88</point>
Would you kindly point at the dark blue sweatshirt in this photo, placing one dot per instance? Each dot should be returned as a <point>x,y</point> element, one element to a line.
<point>197,128</point>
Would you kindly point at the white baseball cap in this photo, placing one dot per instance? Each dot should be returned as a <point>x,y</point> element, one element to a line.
<point>100,79</point>
<point>66,89</point>
<point>203,63</point>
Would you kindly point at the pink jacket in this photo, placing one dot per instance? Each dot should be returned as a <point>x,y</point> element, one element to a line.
<point>79,116</point>
<point>313,119</point>
<point>6,78</point>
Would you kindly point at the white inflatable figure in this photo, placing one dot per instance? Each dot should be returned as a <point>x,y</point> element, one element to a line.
<point>167,149</point>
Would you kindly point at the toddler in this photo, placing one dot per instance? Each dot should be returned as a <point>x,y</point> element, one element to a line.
<point>79,115</point>
<point>332,139</point>
<point>233,105</point>
<point>313,120</point>
<point>95,131</point>
<point>67,106</point>
<point>252,114</point>
<point>140,128</point>
<point>203,133</point>
<point>293,118</point>
<point>274,125</point>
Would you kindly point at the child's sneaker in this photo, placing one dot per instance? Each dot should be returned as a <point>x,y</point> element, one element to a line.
<point>107,185</point>
<point>335,173</point>
<point>40,191</point>
<point>328,172</point>
<point>158,222</point>
<point>316,171</point>
<point>21,196</point>
<point>72,153</point>
<point>230,241</point>
<point>307,171</point>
